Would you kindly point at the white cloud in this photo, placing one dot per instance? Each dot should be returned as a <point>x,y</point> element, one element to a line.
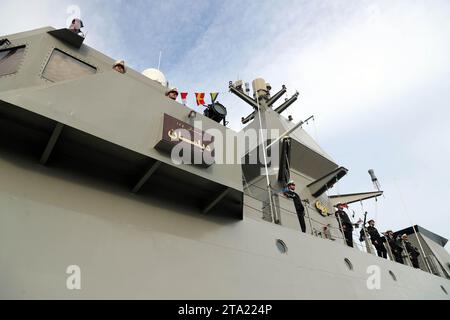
<point>19,16</point>
<point>358,64</point>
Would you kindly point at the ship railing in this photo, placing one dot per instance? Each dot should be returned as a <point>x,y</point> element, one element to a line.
<point>316,228</point>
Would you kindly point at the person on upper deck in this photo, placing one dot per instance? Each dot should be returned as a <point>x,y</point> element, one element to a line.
<point>172,93</point>
<point>119,66</point>
<point>376,239</point>
<point>76,26</point>
<point>289,192</point>
<point>347,225</point>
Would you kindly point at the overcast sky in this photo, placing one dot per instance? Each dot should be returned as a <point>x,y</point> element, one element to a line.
<point>375,74</point>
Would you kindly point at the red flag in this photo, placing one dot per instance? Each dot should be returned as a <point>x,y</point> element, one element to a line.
<point>183,97</point>
<point>200,97</point>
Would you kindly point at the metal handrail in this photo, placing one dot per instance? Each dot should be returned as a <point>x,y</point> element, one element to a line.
<point>315,232</point>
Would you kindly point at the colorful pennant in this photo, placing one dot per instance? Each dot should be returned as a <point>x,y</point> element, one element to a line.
<point>200,98</point>
<point>183,97</point>
<point>214,96</point>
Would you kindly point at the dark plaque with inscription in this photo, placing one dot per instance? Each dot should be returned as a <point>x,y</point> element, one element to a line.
<point>185,137</point>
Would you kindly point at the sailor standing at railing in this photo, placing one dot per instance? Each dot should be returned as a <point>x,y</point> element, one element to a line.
<point>289,192</point>
<point>346,223</point>
<point>376,239</point>
<point>413,251</point>
<point>395,246</point>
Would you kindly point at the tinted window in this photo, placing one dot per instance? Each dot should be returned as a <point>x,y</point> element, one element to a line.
<point>62,67</point>
<point>10,60</point>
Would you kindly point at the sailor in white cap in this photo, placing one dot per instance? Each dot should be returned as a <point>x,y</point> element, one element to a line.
<point>172,93</point>
<point>290,193</point>
<point>119,66</point>
<point>345,223</point>
<point>412,250</point>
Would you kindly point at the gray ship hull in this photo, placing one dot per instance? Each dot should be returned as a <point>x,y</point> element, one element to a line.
<point>130,248</point>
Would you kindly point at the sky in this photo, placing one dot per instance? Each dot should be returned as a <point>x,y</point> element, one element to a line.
<point>375,75</point>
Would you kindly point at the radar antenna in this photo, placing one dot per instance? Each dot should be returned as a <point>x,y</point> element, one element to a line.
<point>261,97</point>
<point>375,181</point>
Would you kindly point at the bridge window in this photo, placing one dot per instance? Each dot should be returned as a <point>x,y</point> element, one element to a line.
<point>62,66</point>
<point>10,60</point>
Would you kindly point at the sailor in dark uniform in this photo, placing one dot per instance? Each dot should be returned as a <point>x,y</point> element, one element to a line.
<point>376,239</point>
<point>347,226</point>
<point>395,246</point>
<point>413,251</point>
<point>289,192</point>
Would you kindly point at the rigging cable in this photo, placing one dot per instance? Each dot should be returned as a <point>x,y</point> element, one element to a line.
<point>376,209</point>
<point>413,225</point>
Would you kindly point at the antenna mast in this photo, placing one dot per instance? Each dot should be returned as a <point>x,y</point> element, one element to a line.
<point>262,102</point>
<point>159,61</point>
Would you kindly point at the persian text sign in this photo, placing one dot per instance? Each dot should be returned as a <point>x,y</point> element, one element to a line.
<point>180,137</point>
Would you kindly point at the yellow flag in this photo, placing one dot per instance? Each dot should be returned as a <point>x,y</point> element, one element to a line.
<point>214,96</point>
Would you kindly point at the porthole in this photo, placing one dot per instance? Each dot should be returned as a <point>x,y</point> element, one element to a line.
<point>393,275</point>
<point>348,264</point>
<point>281,246</point>
<point>443,289</point>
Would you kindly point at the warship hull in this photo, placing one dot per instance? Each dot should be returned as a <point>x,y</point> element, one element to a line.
<point>129,248</point>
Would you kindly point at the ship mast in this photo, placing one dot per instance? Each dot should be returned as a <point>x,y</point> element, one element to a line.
<point>261,103</point>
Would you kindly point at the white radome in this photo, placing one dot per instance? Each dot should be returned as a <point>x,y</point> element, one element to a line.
<point>156,75</point>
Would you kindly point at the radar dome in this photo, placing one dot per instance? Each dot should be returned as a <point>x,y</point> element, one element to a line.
<point>156,75</point>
